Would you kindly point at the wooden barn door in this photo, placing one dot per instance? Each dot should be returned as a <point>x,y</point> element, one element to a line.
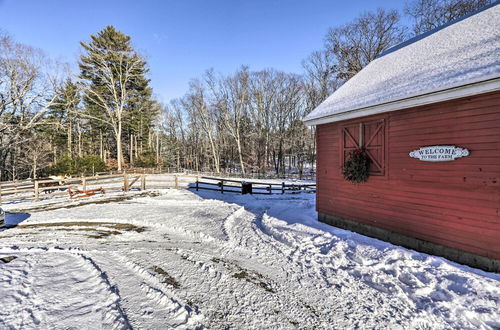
<point>374,143</point>
<point>351,140</point>
<point>371,136</point>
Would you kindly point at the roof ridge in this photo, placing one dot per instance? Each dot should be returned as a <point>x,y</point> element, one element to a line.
<point>431,32</point>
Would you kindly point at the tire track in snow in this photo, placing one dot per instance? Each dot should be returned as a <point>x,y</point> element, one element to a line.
<point>156,306</point>
<point>240,228</point>
<point>312,269</point>
<point>62,283</point>
<point>362,267</point>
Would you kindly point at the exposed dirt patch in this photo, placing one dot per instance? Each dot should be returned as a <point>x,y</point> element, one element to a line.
<point>66,204</point>
<point>95,230</point>
<point>241,273</point>
<point>110,225</point>
<point>254,278</point>
<point>8,259</point>
<point>216,260</point>
<point>167,278</point>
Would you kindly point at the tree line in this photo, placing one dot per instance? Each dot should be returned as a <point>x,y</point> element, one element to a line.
<point>251,120</point>
<point>105,117</point>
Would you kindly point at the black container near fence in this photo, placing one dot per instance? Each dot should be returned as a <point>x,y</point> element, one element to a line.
<point>246,188</point>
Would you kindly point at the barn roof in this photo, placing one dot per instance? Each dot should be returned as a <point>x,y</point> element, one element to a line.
<point>459,59</point>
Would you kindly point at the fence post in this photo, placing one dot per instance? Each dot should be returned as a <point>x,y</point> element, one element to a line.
<point>176,177</point>
<point>282,187</point>
<point>125,182</point>
<point>196,190</point>
<point>143,182</point>
<point>37,192</point>
<point>221,186</point>
<point>0,194</point>
<point>84,183</point>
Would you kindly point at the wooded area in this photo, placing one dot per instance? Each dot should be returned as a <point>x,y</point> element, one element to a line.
<point>53,121</point>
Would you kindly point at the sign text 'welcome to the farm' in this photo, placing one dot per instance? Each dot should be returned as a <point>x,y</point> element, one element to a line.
<point>439,153</point>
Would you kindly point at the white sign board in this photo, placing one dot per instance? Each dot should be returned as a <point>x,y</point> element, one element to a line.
<point>439,153</point>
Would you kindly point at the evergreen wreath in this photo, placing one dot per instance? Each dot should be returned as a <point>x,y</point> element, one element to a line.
<point>356,169</point>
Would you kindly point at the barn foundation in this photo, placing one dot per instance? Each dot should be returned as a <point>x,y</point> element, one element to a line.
<point>462,257</point>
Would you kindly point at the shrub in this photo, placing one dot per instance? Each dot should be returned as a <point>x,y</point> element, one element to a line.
<point>89,164</point>
<point>63,166</point>
<point>146,159</point>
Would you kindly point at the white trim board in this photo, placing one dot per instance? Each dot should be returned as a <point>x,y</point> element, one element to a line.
<point>446,95</point>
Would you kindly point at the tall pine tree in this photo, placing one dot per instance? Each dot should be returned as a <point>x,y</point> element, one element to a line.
<point>116,84</point>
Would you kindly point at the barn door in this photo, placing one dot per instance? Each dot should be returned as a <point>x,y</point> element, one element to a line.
<point>371,136</point>
<point>351,140</point>
<point>374,137</point>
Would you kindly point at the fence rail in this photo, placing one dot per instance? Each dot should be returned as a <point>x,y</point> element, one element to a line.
<point>251,187</point>
<point>229,174</point>
<point>46,187</point>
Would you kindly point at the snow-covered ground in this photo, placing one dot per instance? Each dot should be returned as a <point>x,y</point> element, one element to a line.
<point>181,259</point>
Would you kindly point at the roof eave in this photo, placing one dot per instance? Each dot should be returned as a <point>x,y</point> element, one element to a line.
<point>435,97</point>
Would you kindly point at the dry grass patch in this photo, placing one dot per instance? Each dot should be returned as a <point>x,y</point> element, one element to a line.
<point>167,278</point>
<point>6,260</point>
<point>95,229</point>
<point>67,204</point>
<point>110,225</point>
<point>244,274</point>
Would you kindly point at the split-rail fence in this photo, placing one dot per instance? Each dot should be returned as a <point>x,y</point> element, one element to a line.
<point>88,185</point>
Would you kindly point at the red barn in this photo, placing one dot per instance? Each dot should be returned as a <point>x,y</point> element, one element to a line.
<point>427,114</point>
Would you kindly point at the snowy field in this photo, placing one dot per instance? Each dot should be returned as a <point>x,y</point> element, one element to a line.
<point>182,259</point>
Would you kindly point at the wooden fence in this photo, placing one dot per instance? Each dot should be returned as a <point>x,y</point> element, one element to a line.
<point>228,174</point>
<point>46,188</point>
<point>251,187</point>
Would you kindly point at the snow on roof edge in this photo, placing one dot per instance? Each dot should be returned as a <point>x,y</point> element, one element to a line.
<point>436,29</point>
<point>413,52</point>
<point>470,89</point>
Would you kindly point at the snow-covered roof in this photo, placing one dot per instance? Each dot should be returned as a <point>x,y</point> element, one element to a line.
<point>461,58</point>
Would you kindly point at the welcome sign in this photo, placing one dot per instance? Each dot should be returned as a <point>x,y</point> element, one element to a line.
<point>439,153</point>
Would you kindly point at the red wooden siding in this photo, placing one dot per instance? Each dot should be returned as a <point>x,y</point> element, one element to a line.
<point>456,204</point>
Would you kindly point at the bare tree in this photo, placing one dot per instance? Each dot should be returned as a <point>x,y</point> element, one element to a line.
<point>37,155</point>
<point>231,99</point>
<point>356,44</point>
<point>203,116</point>
<point>429,14</point>
<point>28,88</point>
<point>320,77</point>
<point>262,98</point>
<point>288,107</point>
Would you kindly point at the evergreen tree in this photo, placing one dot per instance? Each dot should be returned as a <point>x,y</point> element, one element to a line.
<point>62,119</point>
<point>117,88</point>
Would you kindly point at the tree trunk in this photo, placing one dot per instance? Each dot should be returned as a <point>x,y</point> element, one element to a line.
<point>240,154</point>
<point>101,147</point>
<point>136,147</point>
<point>131,149</point>
<point>79,143</point>
<point>119,152</point>
<point>214,153</point>
<point>157,149</point>
<point>70,128</point>
<point>34,168</point>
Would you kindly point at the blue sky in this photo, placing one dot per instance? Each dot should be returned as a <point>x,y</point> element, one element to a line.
<point>183,38</point>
